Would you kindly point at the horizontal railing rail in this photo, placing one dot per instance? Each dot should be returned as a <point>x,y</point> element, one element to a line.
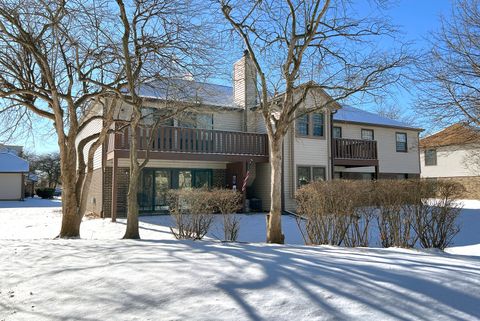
<point>193,140</point>
<point>344,148</point>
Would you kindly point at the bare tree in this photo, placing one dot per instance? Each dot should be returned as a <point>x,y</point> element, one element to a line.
<point>449,74</point>
<point>48,166</point>
<point>395,112</point>
<point>318,42</point>
<point>160,40</point>
<point>47,51</point>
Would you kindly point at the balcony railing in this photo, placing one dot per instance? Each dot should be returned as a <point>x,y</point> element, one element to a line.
<point>355,149</point>
<point>192,140</point>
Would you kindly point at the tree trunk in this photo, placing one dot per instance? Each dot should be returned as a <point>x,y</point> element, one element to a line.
<point>71,218</point>
<point>274,228</point>
<point>132,231</point>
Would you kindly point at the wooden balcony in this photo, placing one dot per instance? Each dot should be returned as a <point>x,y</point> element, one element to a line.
<point>192,144</point>
<point>354,152</point>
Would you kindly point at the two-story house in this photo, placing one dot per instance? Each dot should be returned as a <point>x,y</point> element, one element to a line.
<point>222,136</point>
<point>453,154</point>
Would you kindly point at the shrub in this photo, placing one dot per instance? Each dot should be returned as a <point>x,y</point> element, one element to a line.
<point>46,193</point>
<point>342,212</point>
<point>395,221</point>
<point>327,212</point>
<point>365,213</point>
<point>192,212</point>
<point>228,202</point>
<point>436,224</point>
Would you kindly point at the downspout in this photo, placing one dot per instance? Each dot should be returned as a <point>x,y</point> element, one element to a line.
<point>419,159</point>
<point>292,161</point>
<point>104,157</point>
<point>330,149</point>
<point>283,177</point>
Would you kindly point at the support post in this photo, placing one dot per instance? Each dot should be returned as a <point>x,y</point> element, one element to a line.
<point>114,188</point>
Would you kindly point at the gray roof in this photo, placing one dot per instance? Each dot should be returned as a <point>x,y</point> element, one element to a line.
<point>10,163</point>
<point>218,95</point>
<point>354,115</point>
<point>188,91</point>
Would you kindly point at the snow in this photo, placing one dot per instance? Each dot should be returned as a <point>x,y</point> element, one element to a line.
<point>189,91</point>
<point>355,115</point>
<point>11,163</point>
<point>159,278</point>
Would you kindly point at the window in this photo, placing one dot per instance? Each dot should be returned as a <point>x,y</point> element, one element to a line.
<point>337,132</point>
<point>311,125</point>
<point>367,134</point>
<point>303,176</point>
<point>317,121</point>
<point>430,157</point>
<point>202,178</point>
<point>205,121</point>
<point>318,173</point>
<point>302,125</point>
<point>184,179</point>
<point>401,142</point>
<point>151,115</point>
<point>307,174</point>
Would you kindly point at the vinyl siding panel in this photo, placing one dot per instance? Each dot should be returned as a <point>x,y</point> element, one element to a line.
<point>305,151</point>
<point>452,161</point>
<point>160,163</point>
<point>261,184</point>
<point>229,120</point>
<point>95,126</point>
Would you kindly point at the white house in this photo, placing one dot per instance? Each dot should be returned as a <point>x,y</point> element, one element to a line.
<point>12,175</point>
<point>454,154</point>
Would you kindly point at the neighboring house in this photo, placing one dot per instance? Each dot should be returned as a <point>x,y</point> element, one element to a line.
<point>224,136</point>
<point>12,176</point>
<point>454,154</point>
<point>13,149</point>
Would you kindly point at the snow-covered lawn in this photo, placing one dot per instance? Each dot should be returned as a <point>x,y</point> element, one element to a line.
<point>159,278</point>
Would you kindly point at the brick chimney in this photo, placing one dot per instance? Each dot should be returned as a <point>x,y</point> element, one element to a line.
<point>244,87</point>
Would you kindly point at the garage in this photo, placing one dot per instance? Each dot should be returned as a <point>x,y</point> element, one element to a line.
<point>12,170</point>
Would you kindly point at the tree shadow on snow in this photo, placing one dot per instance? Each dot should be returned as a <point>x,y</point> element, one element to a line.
<point>334,283</point>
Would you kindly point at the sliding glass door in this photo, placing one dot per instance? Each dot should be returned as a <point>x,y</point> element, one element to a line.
<point>162,185</point>
<point>155,184</point>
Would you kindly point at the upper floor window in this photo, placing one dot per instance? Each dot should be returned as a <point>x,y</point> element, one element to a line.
<point>337,132</point>
<point>151,115</point>
<point>430,157</point>
<point>194,120</point>
<point>367,134</point>
<point>317,124</point>
<point>302,125</point>
<point>401,142</point>
<point>205,121</point>
<point>311,125</point>
<point>307,174</point>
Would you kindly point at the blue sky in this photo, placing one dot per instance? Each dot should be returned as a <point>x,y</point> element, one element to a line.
<point>416,18</point>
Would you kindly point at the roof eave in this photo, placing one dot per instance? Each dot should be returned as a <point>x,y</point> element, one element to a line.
<point>378,125</point>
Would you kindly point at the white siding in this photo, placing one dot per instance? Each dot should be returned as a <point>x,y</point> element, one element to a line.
<point>452,161</point>
<point>390,161</point>
<point>307,152</point>
<point>261,184</point>
<point>161,163</point>
<point>95,126</point>
<point>10,186</point>
<point>230,120</point>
